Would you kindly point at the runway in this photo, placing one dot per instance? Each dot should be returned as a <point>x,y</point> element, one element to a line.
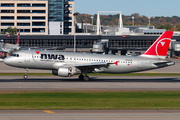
<point>96,83</point>
<point>89,114</point>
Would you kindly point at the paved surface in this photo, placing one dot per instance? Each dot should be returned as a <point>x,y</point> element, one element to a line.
<point>171,69</point>
<point>89,114</point>
<point>96,83</point>
<point>8,69</point>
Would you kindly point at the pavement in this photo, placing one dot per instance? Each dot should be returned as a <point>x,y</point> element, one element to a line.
<point>96,83</point>
<point>89,114</point>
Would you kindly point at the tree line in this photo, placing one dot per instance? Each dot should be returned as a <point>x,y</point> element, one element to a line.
<point>168,23</point>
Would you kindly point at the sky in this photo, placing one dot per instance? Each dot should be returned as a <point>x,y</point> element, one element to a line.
<point>150,8</point>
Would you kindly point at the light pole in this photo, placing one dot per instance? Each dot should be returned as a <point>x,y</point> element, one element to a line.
<point>92,17</point>
<point>75,14</point>
<point>133,20</point>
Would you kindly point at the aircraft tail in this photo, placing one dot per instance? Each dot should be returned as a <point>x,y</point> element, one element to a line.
<point>18,38</point>
<point>160,47</point>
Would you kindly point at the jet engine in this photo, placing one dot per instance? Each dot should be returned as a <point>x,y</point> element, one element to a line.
<point>65,71</point>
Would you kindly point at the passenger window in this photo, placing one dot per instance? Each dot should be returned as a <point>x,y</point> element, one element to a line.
<point>17,55</point>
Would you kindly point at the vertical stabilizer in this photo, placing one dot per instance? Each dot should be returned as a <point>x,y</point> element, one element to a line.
<point>160,47</point>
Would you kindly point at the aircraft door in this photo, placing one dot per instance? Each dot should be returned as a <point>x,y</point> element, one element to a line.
<point>27,57</point>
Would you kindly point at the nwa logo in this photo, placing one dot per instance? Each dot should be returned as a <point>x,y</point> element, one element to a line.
<point>162,47</point>
<point>52,57</point>
<point>46,56</point>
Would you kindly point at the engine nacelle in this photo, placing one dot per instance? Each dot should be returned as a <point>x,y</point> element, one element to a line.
<point>65,71</point>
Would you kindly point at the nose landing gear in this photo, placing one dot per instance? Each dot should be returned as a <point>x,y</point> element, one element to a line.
<point>26,76</point>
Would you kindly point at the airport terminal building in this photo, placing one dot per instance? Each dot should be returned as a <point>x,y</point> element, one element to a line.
<point>38,17</point>
<point>116,44</point>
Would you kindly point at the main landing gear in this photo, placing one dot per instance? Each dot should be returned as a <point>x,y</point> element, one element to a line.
<point>82,77</point>
<point>26,76</point>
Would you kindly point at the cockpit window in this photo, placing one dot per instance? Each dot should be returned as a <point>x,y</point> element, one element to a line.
<point>15,55</point>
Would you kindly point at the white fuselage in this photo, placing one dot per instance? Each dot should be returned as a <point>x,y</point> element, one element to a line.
<point>52,60</point>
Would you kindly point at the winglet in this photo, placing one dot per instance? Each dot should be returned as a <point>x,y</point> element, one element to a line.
<point>160,47</point>
<point>18,38</point>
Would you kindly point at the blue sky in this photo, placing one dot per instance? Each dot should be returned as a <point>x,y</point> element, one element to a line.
<point>143,7</point>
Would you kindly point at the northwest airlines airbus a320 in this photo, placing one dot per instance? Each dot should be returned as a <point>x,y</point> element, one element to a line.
<point>67,64</point>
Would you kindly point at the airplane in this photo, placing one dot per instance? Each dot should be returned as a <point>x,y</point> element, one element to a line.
<point>9,48</point>
<point>67,64</point>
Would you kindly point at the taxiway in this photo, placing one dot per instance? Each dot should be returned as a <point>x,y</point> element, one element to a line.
<point>96,83</point>
<point>89,114</point>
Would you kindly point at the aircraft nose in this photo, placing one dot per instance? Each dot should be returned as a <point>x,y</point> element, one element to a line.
<point>7,61</point>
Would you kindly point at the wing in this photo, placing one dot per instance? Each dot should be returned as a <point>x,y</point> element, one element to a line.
<point>42,48</point>
<point>90,67</point>
<point>2,50</point>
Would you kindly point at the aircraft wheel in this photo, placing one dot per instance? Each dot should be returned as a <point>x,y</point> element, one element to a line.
<point>86,78</point>
<point>25,76</point>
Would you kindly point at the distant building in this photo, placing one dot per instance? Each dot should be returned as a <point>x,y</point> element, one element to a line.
<point>38,17</point>
<point>61,19</point>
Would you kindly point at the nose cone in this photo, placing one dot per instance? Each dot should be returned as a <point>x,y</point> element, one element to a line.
<point>7,61</point>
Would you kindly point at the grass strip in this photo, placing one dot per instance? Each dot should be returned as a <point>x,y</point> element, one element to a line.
<point>96,74</point>
<point>90,100</point>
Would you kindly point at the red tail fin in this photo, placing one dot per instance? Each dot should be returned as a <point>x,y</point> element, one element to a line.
<point>160,47</point>
<point>18,38</point>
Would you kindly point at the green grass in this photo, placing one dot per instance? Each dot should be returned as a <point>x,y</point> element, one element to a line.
<point>90,100</point>
<point>96,74</point>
